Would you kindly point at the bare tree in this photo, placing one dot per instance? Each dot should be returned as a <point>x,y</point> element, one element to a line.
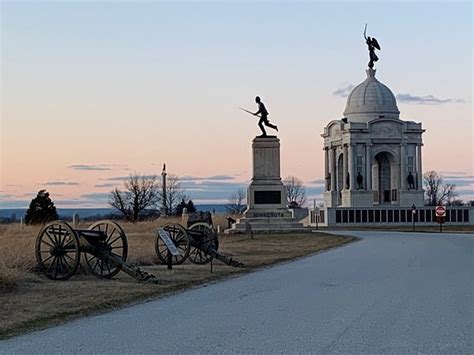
<point>237,201</point>
<point>296,192</point>
<point>436,191</point>
<point>140,192</point>
<point>173,195</point>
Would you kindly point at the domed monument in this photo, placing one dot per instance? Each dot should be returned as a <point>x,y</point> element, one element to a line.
<point>372,157</point>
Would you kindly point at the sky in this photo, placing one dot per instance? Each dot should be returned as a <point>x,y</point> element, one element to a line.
<point>92,91</point>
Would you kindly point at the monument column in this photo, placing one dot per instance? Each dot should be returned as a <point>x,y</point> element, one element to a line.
<point>351,167</point>
<point>332,165</point>
<point>267,196</point>
<point>368,167</point>
<point>344,166</point>
<point>403,169</point>
<point>326,169</point>
<point>419,167</point>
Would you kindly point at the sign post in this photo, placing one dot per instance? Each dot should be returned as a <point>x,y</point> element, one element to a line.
<point>440,216</point>
<point>413,212</point>
<point>172,250</point>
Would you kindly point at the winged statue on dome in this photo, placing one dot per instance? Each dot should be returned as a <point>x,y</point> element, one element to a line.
<point>372,45</point>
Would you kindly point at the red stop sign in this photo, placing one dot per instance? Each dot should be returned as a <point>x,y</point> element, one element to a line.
<point>440,211</point>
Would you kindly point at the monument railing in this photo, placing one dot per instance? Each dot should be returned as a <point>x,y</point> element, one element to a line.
<point>390,215</point>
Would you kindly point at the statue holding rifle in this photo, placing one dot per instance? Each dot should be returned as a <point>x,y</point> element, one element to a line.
<point>263,114</point>
<point>372,45</point>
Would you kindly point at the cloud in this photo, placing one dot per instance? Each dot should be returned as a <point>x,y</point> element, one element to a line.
<point>211,190</point>
<point>124,178</point>
<point>101,196</point>
<point>458,178</point>
<point>344,91</point>
<point>428,99</point>
<point>6,196</point>
<point>14,203</point>
<point>403,97</point>
<point>88,167</point>
<point>118,178</point>
<point>214,178</point>
<point>60,183</point>
<point>317,182</point>
<point>95,167</point>
<point>105,185</point>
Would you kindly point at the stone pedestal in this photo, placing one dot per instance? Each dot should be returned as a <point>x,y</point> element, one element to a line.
<point>330,198</point>
<point>266,195</point>
<point>409,198</point>
<point>357,198</point>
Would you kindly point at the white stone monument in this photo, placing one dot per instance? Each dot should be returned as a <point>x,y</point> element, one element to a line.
<point>266,195</point>
<point>372,157</point>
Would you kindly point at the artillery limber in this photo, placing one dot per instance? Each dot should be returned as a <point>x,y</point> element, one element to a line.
<point>104,247</point>
<point>197,243</point>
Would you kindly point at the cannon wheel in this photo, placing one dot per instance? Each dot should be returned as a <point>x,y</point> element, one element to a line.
<point>115,243</point>
<point>209,240</point>
<point>180,238</point>
<point>57,250</point>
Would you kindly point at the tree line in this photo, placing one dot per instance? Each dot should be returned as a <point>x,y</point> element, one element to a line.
<point>142,193</point>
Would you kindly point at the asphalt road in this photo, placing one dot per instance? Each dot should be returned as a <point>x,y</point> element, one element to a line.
<point>396,293</point>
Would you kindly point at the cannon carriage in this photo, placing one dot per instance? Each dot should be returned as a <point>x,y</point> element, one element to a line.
<point>197,243</point>
<point>103,248</point>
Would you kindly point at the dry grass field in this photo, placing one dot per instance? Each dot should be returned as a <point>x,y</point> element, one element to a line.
<point>31,301</point>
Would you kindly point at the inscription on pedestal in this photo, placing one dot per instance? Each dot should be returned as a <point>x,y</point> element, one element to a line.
<point>267,197</point>
<point>268,215</point>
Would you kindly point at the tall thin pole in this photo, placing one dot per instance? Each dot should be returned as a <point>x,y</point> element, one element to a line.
<point>164,209</point>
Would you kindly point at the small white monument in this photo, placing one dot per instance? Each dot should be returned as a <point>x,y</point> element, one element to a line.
<point>266,195</point>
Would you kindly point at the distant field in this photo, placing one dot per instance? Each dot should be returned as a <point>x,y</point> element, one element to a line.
<point>30,300</point>
<point>91,212</point>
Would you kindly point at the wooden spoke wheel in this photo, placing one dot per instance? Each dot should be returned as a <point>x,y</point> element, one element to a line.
<point>207,240</point>
<point>180,238</point>
<point>115,243</point>
<point>57,250</point>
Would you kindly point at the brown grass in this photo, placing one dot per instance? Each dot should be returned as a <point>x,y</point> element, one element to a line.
<point>30,301</point>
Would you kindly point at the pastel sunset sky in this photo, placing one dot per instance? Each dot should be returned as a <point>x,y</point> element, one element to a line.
<point>92,91</point>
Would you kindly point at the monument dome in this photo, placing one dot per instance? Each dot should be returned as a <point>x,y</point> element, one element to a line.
<point>370,100</point>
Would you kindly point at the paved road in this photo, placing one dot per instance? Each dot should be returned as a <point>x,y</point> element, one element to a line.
<point>392,292</point>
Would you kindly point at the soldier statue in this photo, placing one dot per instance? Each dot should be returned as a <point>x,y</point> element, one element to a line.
<point>262,111</point>
<point>360,179</point>
<point>410,181</point>
<point>372,45</point>
<point>263,117</point>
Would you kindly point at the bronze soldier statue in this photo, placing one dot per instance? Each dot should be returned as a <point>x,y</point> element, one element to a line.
<point>360,179</point>
<point>263,117</point>
<point>372,45</point>
<point>262,111</point>
<point>410,181</point>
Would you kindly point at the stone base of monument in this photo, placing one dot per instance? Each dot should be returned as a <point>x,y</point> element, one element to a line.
<point>268,225</point>
<point>412,197</point>
<point>266,195</point>
<point>330,198</point>
<point>357,198</point>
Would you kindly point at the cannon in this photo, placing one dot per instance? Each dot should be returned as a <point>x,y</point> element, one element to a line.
<point>104,246</point>
<point>198,243</point>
